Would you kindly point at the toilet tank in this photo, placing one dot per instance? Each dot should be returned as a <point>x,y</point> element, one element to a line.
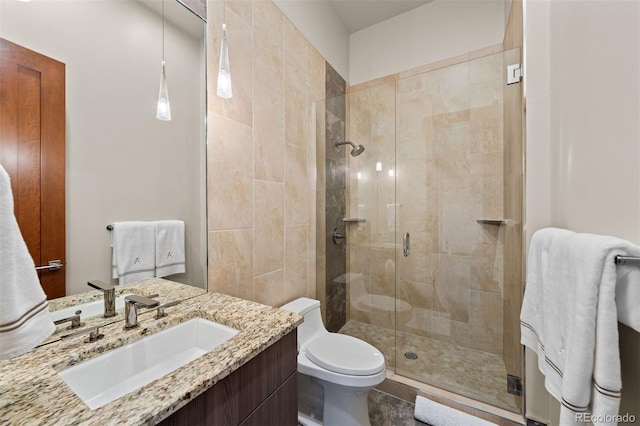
<point>312,325</point>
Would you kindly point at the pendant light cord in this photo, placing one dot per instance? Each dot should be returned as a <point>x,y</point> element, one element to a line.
<point>163,31</point>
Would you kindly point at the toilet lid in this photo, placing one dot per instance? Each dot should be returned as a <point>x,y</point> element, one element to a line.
<point>345,354</point>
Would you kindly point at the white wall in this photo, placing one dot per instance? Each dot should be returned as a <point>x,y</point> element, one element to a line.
<point>438,30</point>
<point>122,163</point>
<point>583,141</point>
<point>435,31</point>
<point>320,24</point>
<point>595,111</point>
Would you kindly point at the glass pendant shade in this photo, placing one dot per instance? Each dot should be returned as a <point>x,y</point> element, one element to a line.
<point>224,73</point>
<point>163,111</point>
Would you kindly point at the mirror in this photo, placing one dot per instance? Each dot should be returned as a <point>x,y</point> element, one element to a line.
<point>121,162</point>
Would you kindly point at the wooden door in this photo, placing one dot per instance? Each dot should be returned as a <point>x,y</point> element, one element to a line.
<point>32,150</point>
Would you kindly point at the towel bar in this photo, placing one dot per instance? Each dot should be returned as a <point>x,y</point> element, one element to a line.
<point>624,260</point>
<point>109,227</point>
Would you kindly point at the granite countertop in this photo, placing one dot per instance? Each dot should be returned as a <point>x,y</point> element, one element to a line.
<point>164,291</point>
<point>32,393</point>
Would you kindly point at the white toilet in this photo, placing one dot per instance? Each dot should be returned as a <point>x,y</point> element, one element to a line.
<point>338,371</point>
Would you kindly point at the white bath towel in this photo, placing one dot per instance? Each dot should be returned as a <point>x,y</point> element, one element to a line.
<point>170,258</point>
<point>569,319</point>
<point>435,414</point>
<point>24,312</point>
<point>134,251</point>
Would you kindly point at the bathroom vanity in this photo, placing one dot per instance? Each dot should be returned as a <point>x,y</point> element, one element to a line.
<point>263,391</point>
<point>249,379</point>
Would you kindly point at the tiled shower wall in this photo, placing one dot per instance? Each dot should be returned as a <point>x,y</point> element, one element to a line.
<point>335,165</point>
<point>261,163</point>
<point>446,124</point>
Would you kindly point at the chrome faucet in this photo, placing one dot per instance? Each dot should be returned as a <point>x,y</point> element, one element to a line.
<point>109,296</point>
<point>131,305</point>
<point>73,319</point>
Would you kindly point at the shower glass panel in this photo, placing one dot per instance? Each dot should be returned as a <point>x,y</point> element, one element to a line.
<point>450,157</point>
<point>371,199</point>
<point>432,266</point>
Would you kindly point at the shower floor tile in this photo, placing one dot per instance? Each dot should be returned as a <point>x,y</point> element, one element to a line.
<point>469,372</point>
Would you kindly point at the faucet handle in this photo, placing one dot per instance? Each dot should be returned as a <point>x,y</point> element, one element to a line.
<point>161,313</point>
<point>141,301</point>
<point>73,319</point>
<point>94,334</point>
<point>100,285</point>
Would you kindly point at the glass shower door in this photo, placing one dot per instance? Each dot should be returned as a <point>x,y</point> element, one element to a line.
<point>451,160</point>
<point>433,224</point>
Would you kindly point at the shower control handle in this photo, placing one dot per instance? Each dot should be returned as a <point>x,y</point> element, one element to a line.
<point>406,244</point>
<point>337,236</point>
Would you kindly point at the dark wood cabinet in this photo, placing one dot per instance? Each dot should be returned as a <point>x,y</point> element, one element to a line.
<point>260,393</point>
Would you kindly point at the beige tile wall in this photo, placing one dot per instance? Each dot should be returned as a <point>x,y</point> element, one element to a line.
<point>441,130</point>
<point>261,155</point>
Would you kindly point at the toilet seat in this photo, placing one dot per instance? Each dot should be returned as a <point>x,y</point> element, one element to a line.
<point>345,355</point>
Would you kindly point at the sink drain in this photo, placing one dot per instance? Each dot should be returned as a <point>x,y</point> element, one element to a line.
<point>410,355</point>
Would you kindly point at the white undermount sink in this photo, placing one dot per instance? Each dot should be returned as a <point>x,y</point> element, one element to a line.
<point>89,309</point>
<point>108,377</point>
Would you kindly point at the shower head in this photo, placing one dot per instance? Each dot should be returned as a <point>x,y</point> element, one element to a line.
<point>359,149</point>
<point>355,151</point>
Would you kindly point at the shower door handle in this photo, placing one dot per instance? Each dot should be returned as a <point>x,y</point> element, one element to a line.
<point>406,244</point>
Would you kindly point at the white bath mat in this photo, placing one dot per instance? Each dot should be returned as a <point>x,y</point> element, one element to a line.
<point>435,414</point>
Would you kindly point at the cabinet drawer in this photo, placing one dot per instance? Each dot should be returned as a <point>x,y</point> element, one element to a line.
<point>280,409</point>
<point>234,398</point>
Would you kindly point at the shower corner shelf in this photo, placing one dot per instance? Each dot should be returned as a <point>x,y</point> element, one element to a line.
<point>496,222</point>
<point>354,219</point>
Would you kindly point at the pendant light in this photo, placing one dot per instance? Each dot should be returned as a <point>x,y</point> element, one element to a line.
<point>163,111</point>
<point>224,73</point>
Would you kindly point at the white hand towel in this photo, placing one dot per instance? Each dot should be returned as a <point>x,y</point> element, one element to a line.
<point>133,251</point>
<point>569,319</point>
<point>24,312</point>
<point>170,257</point>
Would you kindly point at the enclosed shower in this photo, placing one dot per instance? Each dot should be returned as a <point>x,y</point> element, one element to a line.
<point>430,207</point>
